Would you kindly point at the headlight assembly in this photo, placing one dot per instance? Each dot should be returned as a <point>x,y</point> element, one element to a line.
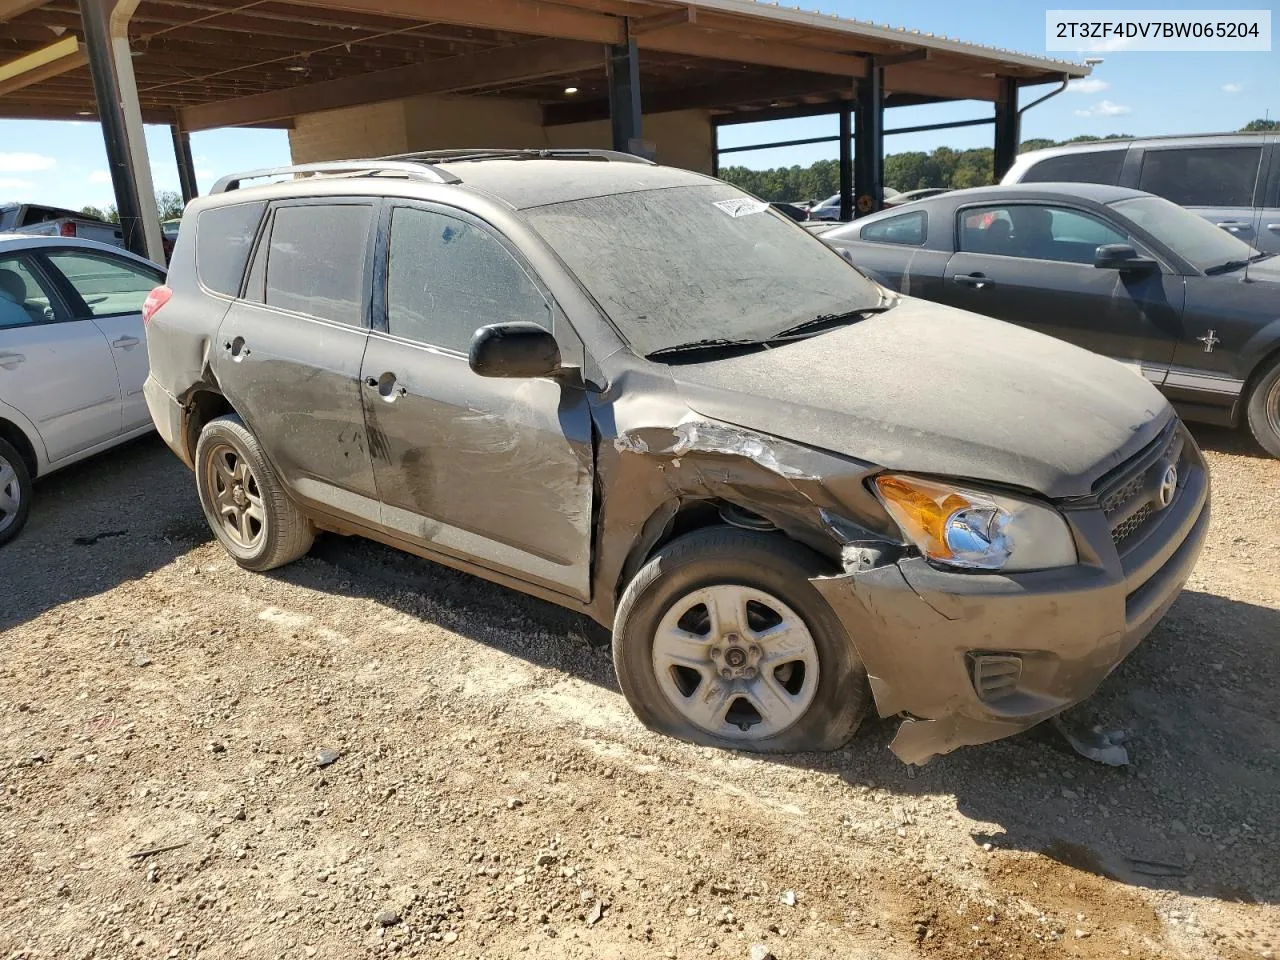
<point>976,530</point>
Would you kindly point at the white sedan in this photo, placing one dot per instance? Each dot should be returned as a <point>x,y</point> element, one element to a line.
<point>73,358</point>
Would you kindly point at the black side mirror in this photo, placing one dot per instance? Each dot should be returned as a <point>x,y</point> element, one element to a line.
<point>516,349</point>
<point>1121,256</point>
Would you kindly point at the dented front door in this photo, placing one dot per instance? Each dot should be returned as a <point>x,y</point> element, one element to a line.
<point>494,471</point>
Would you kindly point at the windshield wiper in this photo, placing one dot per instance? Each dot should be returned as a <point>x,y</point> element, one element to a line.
<point>1236,264</point>
<point>828,320</point>
<point>693,346</point>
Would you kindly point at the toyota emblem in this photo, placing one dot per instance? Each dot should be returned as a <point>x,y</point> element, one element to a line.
<point>1168,487</point>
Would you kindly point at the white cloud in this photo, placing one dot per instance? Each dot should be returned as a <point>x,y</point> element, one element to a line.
<point>13,183</point>
<point>1088,85</point>
<point>1232,87</point>
<point>100,176</point>
<point>24,162</point>
<point>1104,108</point>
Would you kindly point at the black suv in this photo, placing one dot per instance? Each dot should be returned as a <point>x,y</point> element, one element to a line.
<point>642,394</point>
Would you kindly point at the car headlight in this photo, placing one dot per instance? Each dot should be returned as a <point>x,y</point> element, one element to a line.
<point>974,529</point>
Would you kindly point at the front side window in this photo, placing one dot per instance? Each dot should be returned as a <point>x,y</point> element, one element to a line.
<point>24,299</point>
<point>316,261</point>
<point>908,228</point>
<point>109,286</point>
<point>683,264</point>
<point>1202,176</point>
<point>1035,232</point>
<point>1082,166</point>
<point>447,277</point>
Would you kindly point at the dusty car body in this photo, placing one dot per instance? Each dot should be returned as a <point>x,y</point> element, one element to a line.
<point>578,478</point>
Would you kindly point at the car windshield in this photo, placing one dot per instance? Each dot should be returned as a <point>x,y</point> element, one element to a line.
<point>1192,237</point>
<point>688,264</point>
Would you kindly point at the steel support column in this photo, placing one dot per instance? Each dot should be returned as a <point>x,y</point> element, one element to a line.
<point>624,95</point>
<point>869,141</point>
<point>846,161</point>
<point>186,166</point>
<point>1008,134</point>
<point>106,36</point>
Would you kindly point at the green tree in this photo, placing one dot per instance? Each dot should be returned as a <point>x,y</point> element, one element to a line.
<point>168,202</point>
<point>1260,126</point>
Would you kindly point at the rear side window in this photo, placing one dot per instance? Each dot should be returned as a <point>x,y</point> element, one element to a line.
<point>446,278</point>
<point>224,238</point>
<point>109,286</point>
<point>909,228</point>
<point>1084,166</point>
<point>1202,176</point>
<point>316,260</point>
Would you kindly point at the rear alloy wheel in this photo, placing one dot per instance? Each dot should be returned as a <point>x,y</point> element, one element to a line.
<point>243,500</point>
<point>721,639</point>
<point>1263,412</point>
<point>15,492</point>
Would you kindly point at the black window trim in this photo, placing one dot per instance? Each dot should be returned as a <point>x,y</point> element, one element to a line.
<point>1139,245</point>
<point>924,236</point>
<point>366,281</point>
<point>77,308</point>
<point>381,326</point>
<point>31,260</point>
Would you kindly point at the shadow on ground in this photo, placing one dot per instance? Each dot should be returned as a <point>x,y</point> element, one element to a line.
<point>1236,441</point>
<point>1199,702</point>
<point>99,523</point>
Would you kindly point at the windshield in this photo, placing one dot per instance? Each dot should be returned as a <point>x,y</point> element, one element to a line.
<point>1193,238</point>
<point>688,264</point>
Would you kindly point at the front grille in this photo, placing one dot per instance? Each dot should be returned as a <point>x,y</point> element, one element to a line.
<point>1127,528</point>
<point>1128,496</point>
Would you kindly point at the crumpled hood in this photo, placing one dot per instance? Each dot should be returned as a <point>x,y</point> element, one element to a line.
<point>931,389</point>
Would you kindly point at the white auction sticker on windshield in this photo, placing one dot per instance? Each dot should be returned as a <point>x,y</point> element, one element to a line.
<point>742,206</point>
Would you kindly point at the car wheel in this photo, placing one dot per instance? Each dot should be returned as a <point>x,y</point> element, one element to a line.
<point>15,492</point>
<point>722,640</point>
<point>1263,412</point>
<point>244,501</point>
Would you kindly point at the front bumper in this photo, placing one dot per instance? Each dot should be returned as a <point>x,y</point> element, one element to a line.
<point>169,417</point>
<point>918,629</point>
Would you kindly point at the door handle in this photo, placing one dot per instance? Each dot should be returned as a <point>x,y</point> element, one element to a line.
<point>975,280</point>
<point>1274,227</point>
<point>125,343</point>
<point>1234,224</point>
<point>11,360</point>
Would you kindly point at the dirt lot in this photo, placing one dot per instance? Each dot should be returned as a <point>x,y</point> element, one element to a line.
<point>493,796</point>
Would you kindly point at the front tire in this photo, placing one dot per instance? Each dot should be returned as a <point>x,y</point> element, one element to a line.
<point>15,492</point>
<point>246,505</point>
<point>1263,411</point>
<point>722,640</point>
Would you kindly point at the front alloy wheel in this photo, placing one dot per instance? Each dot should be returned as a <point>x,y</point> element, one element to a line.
<point>736,662</point>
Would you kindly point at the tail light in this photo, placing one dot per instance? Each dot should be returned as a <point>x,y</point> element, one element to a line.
<point>156,299</point>
<point>67,228</point>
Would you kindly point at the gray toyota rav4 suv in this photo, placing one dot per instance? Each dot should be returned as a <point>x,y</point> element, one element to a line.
<point>642,394</point>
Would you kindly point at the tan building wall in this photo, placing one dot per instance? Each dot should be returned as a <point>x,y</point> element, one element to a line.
<point>682,139</point>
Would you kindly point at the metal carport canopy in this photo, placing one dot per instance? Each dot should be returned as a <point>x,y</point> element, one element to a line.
<point>202,64</point>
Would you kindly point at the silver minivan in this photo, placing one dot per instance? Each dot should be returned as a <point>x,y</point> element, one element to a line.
<point>1232,180</point>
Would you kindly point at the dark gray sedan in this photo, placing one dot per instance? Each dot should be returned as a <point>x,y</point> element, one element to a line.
<point>1118,271</point>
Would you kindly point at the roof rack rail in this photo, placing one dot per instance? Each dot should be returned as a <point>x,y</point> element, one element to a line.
<point>529,153</point>
<point>350,168</point>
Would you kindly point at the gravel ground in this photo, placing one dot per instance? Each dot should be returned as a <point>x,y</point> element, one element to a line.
<point>365,754</point>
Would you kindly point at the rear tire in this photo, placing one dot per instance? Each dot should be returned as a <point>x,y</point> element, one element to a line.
<point>246,505</point>
<point>15,492</point>
<point>722,640</point>
<point>1263,410</point>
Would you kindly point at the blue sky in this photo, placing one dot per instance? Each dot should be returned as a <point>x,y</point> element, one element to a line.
<point>1131,92</point>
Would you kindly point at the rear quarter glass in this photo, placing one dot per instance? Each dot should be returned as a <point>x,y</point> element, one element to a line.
<point>224,239</point>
